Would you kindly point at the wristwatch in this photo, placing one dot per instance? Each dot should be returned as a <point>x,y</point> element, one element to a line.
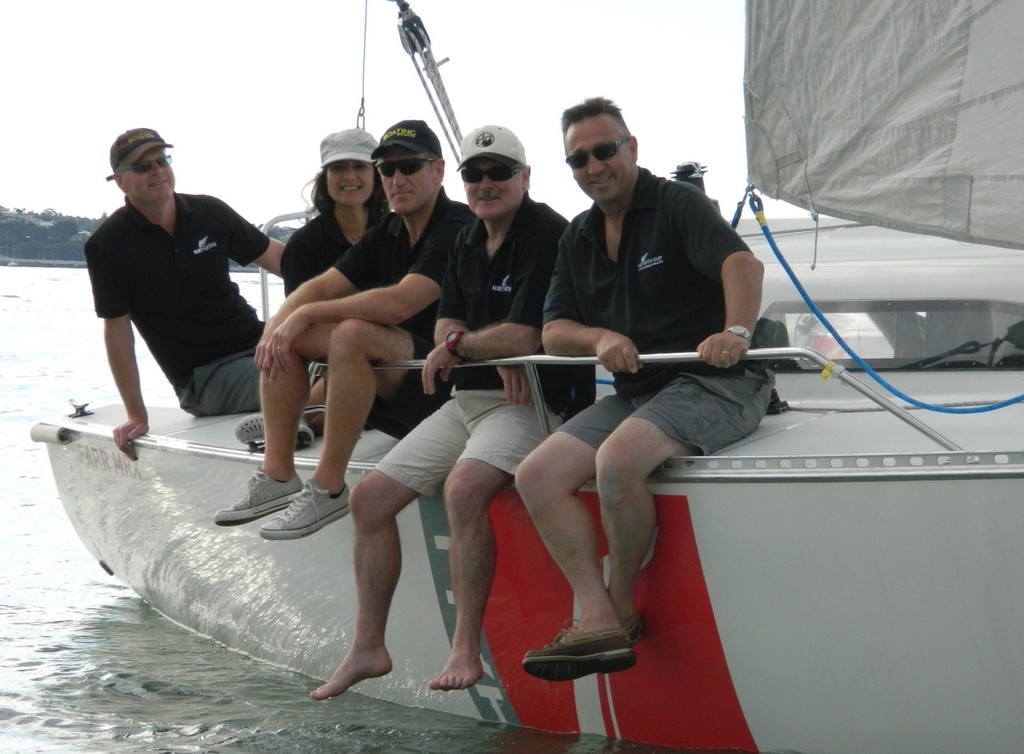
<point>451,341</point>
<point>739,330</point>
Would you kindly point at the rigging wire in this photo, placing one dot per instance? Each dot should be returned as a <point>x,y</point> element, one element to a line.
<point>416,41</point>
<point>361,115</point>
<point>757,208</point>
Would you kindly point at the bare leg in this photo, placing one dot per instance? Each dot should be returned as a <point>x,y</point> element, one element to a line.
<point>547,481</point>
<point>624,462</point>
<point>282,401</point>
<point>355,346</point>
<point>468,492</point>
<point>317,397</point>
<point>375,502</point>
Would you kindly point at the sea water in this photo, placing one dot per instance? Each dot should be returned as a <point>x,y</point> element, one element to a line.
<point>86,665</point>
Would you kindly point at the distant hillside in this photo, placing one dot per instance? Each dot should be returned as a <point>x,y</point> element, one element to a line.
<point>50,238</point>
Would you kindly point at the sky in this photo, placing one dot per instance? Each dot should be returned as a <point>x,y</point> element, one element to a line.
<point>245,92</point>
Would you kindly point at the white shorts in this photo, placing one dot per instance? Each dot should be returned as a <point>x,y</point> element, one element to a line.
<point>478,424</point>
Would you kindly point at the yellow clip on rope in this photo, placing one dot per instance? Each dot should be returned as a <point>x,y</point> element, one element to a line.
<point>826,373</point>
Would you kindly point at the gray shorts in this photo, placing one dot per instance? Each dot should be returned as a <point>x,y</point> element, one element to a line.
<point>229,385</point>
<point>478,424</point>
<point>704,412</point>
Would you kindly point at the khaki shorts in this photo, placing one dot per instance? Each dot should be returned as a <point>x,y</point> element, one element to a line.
<point>706,413</point>
<point>477,424</point>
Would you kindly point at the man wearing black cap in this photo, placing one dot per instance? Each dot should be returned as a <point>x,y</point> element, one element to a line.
<point>378,303</point>
<point>161,263</point>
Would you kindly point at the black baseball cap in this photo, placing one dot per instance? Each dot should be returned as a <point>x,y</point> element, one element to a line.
<point>411,134</point>
<point>131,145</point>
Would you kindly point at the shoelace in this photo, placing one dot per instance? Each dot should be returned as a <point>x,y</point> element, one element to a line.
<point>299,505</point>
<point>256,481</point>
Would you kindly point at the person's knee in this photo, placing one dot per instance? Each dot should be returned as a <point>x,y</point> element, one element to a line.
<point>365,500</point>
<point>346,335</point>
<point>466,499</point>
<point>616,473</point>
<point>530,478</point>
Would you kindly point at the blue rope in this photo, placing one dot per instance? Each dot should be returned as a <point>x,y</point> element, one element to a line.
<point>757,208</point>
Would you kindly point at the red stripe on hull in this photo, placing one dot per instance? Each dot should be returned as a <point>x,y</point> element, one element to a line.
<point>678,694</point>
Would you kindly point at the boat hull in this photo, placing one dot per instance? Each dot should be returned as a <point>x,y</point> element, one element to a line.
<point>841,604</point>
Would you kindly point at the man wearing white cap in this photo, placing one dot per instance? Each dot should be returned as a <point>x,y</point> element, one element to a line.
<point>491,307</point>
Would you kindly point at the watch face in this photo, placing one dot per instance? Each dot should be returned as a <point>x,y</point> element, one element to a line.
<point>451,337</point>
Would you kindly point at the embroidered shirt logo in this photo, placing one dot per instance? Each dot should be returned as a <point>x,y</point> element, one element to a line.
<point>504,287</point>
<point>647,262</point>
<point>205,244</point>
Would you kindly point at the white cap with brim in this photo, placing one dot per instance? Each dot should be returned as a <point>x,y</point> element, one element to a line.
<point>496,142</point>
<point>353,144</point>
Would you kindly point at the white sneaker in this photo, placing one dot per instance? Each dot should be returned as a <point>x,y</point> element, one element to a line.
<point>260,496</point>
<point>249,431</point>
<point>311,510</point>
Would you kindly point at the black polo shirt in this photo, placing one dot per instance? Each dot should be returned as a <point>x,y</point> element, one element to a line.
<point>383,256</point>
<point>310,250</point>
<point>664,291</point>
<point>177,290</point>
<point>509,287</point>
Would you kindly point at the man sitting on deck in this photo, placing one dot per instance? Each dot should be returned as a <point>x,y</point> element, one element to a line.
<point>378,303</point>
<point>491,307</point>
<point>651,267</point>
<point>161,263</point>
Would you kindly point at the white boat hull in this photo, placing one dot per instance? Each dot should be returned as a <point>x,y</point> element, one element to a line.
<point>842,603</point>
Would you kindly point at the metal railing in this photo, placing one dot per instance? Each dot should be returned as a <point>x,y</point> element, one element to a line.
<point>758,354</point>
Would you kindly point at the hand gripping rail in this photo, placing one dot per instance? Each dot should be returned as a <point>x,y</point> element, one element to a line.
<point>770,354</point>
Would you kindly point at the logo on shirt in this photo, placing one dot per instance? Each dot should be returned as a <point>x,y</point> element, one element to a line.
<point>205,244</point>
<point>647,262</point>
<point>504,287</point>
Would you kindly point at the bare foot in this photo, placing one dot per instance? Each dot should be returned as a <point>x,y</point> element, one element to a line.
<point>357,666</point>
<point>460,672</point>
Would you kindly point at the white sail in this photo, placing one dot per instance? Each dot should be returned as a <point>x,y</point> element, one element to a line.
<point>900,113</point>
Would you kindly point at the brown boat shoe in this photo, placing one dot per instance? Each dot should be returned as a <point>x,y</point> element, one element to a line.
<point>575,653</point>
<point>634,629</point>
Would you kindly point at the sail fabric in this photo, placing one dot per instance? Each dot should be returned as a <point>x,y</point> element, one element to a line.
<point>900,113</point>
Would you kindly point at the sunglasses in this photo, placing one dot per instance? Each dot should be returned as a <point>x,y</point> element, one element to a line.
<point>601,152</point>
<point>409,166</point>
<point>497,174</point>
<point>141,168</point>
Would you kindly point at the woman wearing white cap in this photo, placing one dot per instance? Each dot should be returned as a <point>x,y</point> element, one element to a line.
<point>348,195</point>
<point>349,198</point>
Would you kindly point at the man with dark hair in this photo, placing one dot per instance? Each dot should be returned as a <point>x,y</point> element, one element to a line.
<point>161,263</point>
<point>491,307</point>
<point>651,267</point>
<point>378,303</point>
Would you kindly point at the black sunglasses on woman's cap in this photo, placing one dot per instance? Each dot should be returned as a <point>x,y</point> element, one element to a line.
<point>601,152</point>
<point>408,166</point>
<point>498,173</point>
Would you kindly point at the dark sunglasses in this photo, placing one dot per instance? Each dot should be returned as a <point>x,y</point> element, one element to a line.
<point>141,168</point>
<point>409,166</point>
<point>601,152</point>
<point>498,173</point>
